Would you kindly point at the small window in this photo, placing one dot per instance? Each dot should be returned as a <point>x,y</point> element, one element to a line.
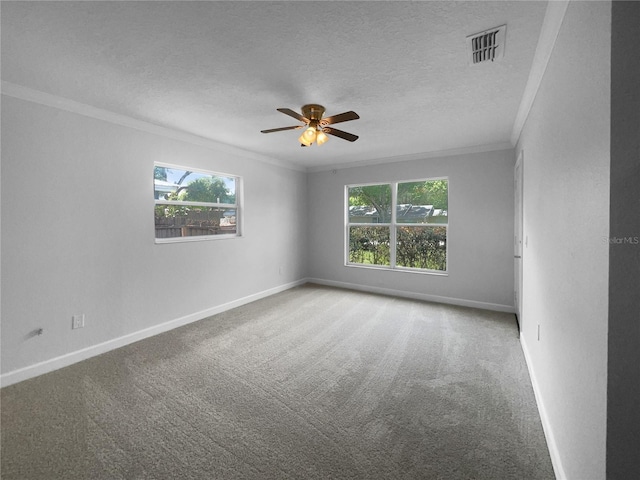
<point>399,225</point>
<point>195,204</point>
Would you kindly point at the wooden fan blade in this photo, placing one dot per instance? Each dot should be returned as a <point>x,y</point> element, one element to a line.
<point>341,117</point>
<point>291,113</point>
<point>339,133</point>
<point>281,129</point>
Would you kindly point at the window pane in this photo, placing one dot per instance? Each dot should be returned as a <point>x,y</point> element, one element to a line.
<point>369,245</point>
<point>423,202</point>
<point>422,247</point>
<point>188,221</point>
<point>370,204</point>
<point>190,186</point>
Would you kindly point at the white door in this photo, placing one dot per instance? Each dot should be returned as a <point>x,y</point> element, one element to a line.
<point>517,239</point>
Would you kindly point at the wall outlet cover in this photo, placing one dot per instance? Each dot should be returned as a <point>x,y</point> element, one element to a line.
<point>77,321</point>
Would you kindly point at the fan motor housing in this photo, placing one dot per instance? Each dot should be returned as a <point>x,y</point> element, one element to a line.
<point>313,111</point>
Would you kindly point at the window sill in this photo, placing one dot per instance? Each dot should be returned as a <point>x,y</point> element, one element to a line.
<point>398,269</point>
<point>201,238</point>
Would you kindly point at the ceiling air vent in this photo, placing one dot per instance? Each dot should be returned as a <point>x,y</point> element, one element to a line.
<point>486,46</point>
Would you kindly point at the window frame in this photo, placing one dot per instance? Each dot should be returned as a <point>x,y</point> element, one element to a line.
<point>237,206</point>
<point>393,229</point>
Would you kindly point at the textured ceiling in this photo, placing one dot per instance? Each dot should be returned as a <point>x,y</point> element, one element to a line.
<point>219,70</point>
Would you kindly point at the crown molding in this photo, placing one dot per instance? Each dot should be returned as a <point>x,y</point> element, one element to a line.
<point>551,24</point>
<point>495,147</point>
<point>42,98</point>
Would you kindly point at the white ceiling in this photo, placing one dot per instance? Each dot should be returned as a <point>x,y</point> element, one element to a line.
<point>219,70</point>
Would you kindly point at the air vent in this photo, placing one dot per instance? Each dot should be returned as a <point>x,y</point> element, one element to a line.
<point>486,46</point>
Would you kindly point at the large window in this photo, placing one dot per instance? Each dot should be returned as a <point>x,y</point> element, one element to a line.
<point>401,225</point>
<point>194,204</point>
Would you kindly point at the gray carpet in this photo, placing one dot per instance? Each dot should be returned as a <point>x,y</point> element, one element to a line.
<point>312,383</point>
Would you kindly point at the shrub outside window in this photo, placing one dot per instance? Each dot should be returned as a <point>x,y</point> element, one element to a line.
<point>194,204</point>
<point>399,225</point>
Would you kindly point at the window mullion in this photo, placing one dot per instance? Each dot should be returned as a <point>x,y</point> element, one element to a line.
<point>392,233</point>
<point>180,203</point>
<point>347,226</point>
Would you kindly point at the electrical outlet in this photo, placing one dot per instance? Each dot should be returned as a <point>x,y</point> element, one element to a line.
<point>77,321</point>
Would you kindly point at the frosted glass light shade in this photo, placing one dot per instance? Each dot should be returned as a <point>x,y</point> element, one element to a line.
<point>304,140</point>
<point>321,137</point>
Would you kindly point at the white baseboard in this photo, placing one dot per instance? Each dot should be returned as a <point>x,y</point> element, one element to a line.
<point>50,365</point>
<point>47,366</point>
<point>496,307</point>
<point>544,418</point>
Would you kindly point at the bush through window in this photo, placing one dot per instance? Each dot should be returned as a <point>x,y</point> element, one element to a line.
<point>399,225</point>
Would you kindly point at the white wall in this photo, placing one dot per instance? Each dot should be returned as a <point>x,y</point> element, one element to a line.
<point>566,222</point>
<point>480,236</point>
<point>78,234</point>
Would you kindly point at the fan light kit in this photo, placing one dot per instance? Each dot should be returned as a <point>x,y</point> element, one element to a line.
<point>317,127</point>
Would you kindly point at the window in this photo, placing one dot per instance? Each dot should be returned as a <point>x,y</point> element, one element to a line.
<point>399,225</point>
<point>195,205</point>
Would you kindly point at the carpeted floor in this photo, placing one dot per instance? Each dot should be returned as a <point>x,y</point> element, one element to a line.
<point>312,383</point>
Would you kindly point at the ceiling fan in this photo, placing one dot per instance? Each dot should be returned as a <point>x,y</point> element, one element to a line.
<point>317,127</point>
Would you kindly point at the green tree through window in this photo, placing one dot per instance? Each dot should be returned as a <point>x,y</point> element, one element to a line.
<point>412,237</point>
<point>190,203</point>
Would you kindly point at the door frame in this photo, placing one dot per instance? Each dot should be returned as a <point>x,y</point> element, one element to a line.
<point>518,260</point>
